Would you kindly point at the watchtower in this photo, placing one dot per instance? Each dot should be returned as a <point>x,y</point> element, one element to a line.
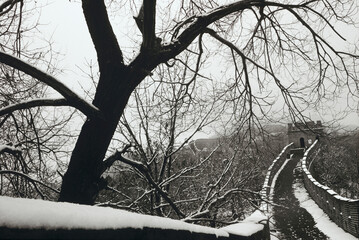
<point>304,134</point>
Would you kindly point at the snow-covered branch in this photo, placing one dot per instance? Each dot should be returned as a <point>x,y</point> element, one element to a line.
<point>219,200</point>
<point>145,171</point>
<point>9,149</point>
<point>34,103</point>
<point>108,162</point>
<point>187,169</point>
<point>73,98</point>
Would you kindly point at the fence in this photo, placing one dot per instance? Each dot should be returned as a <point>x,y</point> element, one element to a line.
<point>343,211</point>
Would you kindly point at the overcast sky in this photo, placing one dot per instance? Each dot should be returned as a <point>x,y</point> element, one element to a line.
<point>64,21</point>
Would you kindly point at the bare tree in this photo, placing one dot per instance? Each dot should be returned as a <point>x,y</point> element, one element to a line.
<point>168,176</point>
<point>33,139</point>
<point>164,172</point>
<point>284,42</point>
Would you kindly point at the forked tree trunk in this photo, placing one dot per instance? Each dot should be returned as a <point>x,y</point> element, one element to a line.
<point>82,181</point>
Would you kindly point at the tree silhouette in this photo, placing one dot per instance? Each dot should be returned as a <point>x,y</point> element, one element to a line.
<point>268,41</point>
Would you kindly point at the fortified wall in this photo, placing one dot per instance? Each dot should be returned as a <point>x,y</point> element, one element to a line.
<point>22,218</point>
<point>302,135</point>
<point>271,172</point>
<point>343,211</point>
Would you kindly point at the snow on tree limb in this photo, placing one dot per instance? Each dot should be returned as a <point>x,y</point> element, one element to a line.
<point>34,103</point>
<point>9,149</point>
<point>74,100</point>
<point>144,170</point>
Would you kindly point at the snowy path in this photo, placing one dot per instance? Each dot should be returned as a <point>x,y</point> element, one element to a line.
<point>293,221</point>
<point>323,222</point>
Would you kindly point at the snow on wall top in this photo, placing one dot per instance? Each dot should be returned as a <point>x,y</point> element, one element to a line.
<point>40,214</point>
<point>252,224</point>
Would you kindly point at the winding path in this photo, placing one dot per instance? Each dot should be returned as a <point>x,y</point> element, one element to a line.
<point>292,221</point>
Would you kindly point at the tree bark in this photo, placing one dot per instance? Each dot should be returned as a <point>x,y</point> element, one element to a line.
<point>82,181</point>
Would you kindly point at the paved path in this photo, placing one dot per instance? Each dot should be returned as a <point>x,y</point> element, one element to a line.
<point>292,221</point>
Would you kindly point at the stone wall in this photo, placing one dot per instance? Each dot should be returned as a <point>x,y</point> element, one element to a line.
<point>309,132</point>
<point>343,211</point>
<point>39,219</point>
<point>271,172</point>
<point>123,233</point>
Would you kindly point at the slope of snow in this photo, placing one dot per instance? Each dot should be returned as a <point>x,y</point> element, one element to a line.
<point>40,214</point>
<point>324,223</point>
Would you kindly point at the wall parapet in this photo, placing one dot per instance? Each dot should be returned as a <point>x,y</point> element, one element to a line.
<point>343,211</point>
<point>271,172</point>
<point>38,219</point>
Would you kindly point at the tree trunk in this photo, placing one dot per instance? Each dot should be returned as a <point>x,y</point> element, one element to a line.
<point>82,181</point>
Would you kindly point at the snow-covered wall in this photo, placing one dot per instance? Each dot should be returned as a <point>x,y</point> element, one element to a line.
<point>343,211</point>
<point>39,219</point>
<point>271,172</point>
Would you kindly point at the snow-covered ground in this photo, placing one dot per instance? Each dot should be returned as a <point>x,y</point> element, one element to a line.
<point>324,223</point>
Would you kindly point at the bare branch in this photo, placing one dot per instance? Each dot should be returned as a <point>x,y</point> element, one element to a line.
<point>34,181</point>
<point>149,23</point>
<point>74,100</point>
<point>103,37</point>
<point>9,4</point>
<point>200,23</point>
<point>34,103</point>
<point>113,158</point>
<point>9,149</point>
<point>144,170</point>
